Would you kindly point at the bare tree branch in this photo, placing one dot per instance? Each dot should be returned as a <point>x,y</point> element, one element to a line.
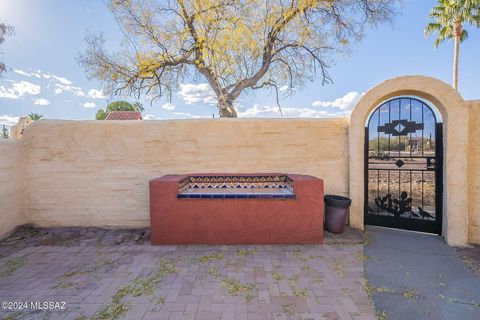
<point>234,45</point>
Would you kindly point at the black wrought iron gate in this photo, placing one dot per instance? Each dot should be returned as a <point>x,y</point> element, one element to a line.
<point>403,166</point>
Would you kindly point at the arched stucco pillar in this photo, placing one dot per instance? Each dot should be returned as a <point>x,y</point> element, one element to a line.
<point>454,111</point>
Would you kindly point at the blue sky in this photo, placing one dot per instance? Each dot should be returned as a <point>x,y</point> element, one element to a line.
<point>45,78</point>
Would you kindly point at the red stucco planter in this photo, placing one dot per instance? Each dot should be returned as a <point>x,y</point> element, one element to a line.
<point>291,214</point>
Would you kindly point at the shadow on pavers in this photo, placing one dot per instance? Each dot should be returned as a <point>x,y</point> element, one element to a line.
<point>418,276</point>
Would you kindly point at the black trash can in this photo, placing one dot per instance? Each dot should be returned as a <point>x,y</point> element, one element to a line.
<point>336,211</point>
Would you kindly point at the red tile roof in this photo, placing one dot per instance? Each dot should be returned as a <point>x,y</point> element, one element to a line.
<point>124,115</point>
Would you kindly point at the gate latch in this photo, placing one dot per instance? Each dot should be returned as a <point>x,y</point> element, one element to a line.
<point>431,163</point>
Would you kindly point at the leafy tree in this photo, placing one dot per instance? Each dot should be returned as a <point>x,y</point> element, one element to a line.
<point>118,106</point>
<point>5,133</point>
<point>449,17</point>
<point>5,30</point>
<point>234,45</point>
<point>101,114</point>
<point>35,116</point>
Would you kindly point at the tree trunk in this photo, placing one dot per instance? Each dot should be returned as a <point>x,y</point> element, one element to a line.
<point>226,109</point>
<point>456,49</point>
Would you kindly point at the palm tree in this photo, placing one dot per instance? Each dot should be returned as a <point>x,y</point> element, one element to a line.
<point>449,16</point>
<point>35,116</point>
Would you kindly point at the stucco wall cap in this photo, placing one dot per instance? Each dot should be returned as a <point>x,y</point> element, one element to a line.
<point>419,85</point>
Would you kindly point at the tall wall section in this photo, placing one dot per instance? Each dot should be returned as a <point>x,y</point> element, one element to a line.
<point>96,173</point>
<point>12,195</point>
<point>474,173</point>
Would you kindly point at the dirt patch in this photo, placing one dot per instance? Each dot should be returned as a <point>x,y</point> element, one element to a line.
<point>470,257</point>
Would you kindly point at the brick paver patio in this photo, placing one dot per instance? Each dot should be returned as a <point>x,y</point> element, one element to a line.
<point>118,275</point>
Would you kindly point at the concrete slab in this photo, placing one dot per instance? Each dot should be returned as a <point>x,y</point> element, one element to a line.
<point>418,276</point>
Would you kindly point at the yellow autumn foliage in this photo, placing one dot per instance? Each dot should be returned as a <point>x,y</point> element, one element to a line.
<point>233,44</point>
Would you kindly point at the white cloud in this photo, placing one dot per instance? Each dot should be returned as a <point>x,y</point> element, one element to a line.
<point>78,92</point>
<point>151,117</point>
<point>61,79</point>
<point>39,74</point>
<point>57,84</point>
<point>25,87</point>
<point>8,120</point>
<point>168,106</point>
<point>187,115</point>
<point>347,102</point>
<point>42,102</point>
<point>75,90</point>
<point>201,92</point>
<point>21,72</point>
<point>89,105</point>
<point>266,111</point>
<point>95,94</point>
<point>320,109</point>
<point>8,93</point>
<point>28,74</point>
<point>283,88</point>
<point>19,89</point>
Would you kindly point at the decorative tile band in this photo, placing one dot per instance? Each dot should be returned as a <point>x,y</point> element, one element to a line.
<point>236,187</point>
<point>235,196</point>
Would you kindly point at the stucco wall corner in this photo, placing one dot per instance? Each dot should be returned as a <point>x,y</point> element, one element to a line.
<point>474,173</point>
<point>12,209</point>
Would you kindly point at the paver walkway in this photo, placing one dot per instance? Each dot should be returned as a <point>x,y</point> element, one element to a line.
<point>418,276</point>
<point>118,275</point>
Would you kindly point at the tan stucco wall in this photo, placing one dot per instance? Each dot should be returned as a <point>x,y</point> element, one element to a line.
<point>454,111</point>
<point>11,186</point>
<point>474,173</point>
<point>95,173</point>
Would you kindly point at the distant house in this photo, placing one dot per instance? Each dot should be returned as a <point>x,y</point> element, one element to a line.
<point>415,143</point>
<point>124,115</point>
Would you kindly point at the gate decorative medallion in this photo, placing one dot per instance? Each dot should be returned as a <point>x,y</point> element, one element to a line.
<point>403,166</point>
